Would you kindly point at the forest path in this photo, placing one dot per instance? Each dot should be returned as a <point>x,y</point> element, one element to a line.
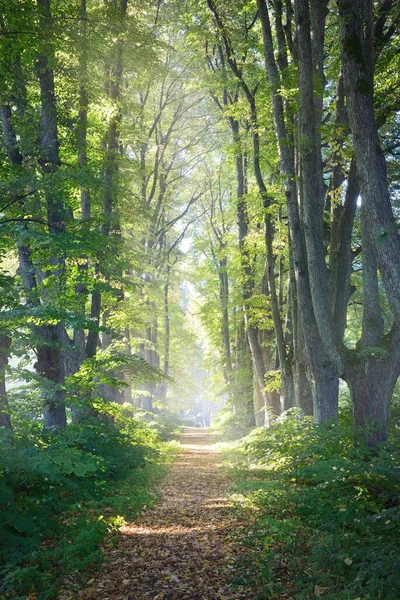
<point>179,549</point>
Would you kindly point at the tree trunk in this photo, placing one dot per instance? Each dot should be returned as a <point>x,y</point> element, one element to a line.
<point>357,51</point>
<point>167,335</point>
<point>5,419</point>
<point>113,89</point>
<point>301,372</point>
<point>340,256</point>
<point>313,197</point>
<point>50,360</point>
<point>243,371</point>
<point>323,393</point>
<point>79,341</point>
<point>371,383</point>
<point>50,366</point>
<point>373,368</point>
<point>224,299</point>
<point>259,367</point>
<point>259,404</point>
<point>325,387</point>
<point>51,356</point>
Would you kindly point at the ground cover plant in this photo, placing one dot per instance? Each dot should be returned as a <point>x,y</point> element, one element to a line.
<point>62,496</point>
<point>322,514</point>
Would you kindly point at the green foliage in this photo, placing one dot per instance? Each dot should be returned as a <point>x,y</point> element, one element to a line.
<point>59,496</point>
<point>326,510</point>
<point>166,423</point>
<point>234,422</point>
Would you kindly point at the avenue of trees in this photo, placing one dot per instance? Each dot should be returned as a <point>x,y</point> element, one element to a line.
<point>199,202</point>
<point>268,134</point>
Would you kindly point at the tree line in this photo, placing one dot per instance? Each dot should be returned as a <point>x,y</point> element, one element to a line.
<point>305,92</point>
<point>267,132</point>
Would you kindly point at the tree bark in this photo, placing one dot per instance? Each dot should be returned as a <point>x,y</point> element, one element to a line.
<point>301,372</point>
<point>371,382</point>
<point>259,404</point>
<point>357,52</point>
<point>113,88</point>
<point>167,334</point>
<point>313,197</point>
<point>325,392</point>
<point>224,299</point>
<point>5,419</point>
<point>51,356</point>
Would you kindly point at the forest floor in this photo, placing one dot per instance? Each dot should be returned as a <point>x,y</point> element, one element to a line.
<point>183,548</point>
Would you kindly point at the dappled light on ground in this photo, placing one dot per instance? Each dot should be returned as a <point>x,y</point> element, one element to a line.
<point>182,549</point>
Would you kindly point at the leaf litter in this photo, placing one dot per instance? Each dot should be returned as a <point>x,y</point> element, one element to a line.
<point>183,548</point>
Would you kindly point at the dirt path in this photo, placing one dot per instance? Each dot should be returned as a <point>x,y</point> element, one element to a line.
<point>179,550</point>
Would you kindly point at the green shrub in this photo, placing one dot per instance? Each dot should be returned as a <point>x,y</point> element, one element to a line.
<point>60,495</point>
<point>167,424</point>
<point>325,509</point>
<point>234,424</point>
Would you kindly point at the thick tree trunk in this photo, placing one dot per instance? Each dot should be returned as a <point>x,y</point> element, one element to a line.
<point>49,366</point>
<point>50,359</point>
<point>371,383</point>
<point>51,355</point>
<point>303,391</point>
<point>325,388</point>
<point>313,197</point>
<point>301,370</point>
<point>372,370</point>
<point>5,419</point>
<point>357,51</point>
<point>316,352</point>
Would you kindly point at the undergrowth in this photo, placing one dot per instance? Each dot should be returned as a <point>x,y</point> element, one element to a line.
<point>62,495</point>
<point>321,514</point>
